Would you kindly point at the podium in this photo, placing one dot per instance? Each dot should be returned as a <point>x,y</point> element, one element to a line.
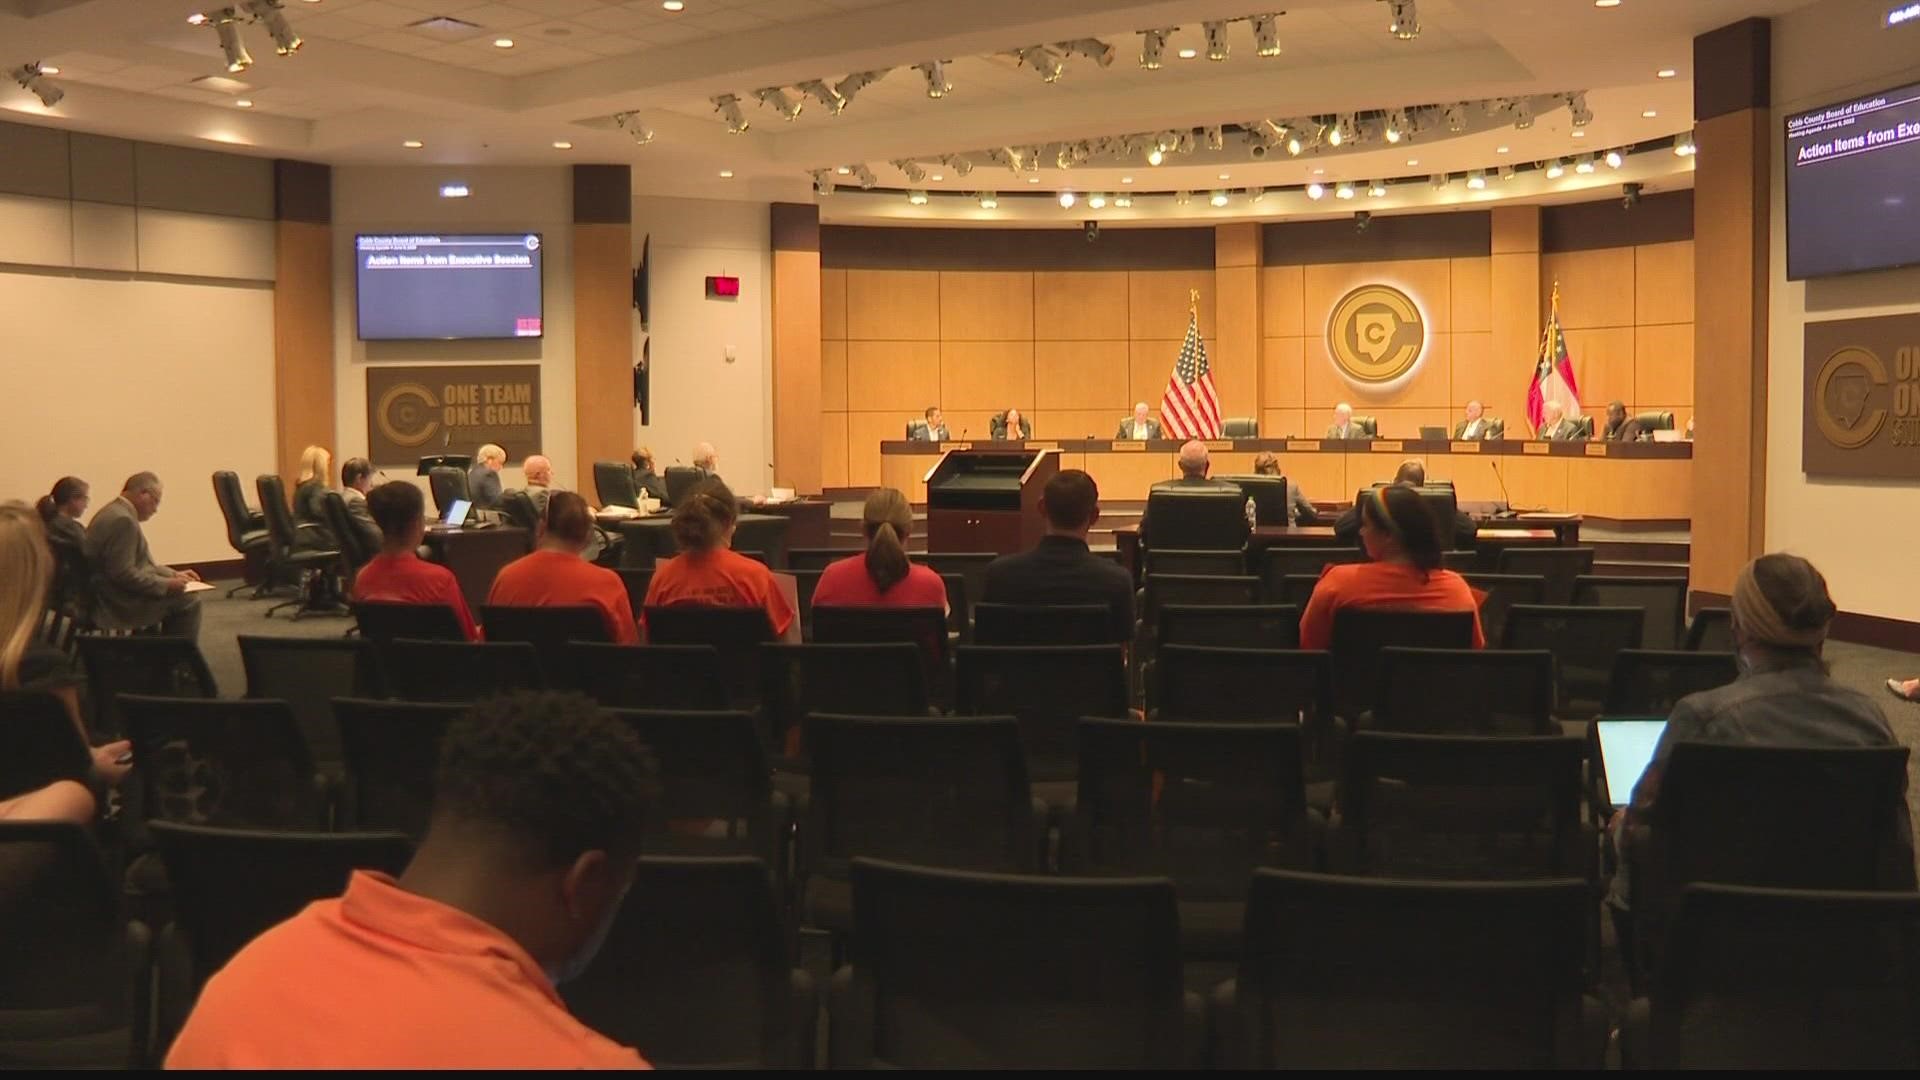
<point>987,500</point>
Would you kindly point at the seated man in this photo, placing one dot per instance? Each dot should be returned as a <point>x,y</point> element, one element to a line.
<point>483,478</point>
<point>934,429</point>
<point>533,843</point>
<point>356,479</point>
<point>1618,427</point>
<point>1139,426</point>
<point>1343,426</point>
<point>1478,425</point>
<point>539,473</point>
<point>1061,569</point>
<point>1195,463</point>
<point>1556,427</point>
<point>556,574</point>
<point>398,575</point>
<point>130,590</point>
<point>1413,474</point>
<point>1301,508</point>
<point>707,460</point>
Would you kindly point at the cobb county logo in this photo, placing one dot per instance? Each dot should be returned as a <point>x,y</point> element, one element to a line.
<point>408,414</point>
<point>1841,392</point>
<point>1376,334</point>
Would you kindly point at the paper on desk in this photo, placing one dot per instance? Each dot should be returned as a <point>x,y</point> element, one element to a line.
<point>198,586</point>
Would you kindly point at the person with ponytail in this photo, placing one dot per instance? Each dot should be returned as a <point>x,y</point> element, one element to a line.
<point>60,511</point>
<point>1403,540</point>
<point>708,571</point>
<point>882,575</point>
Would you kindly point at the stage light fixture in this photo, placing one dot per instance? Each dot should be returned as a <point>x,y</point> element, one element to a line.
<point>1577,106</point>
<point>1614,160</point>
<point>226,26</point>
<point>1217,44</point>
<point>1377,190</point>
<point>1216,139</point>
<point>33,78</point>
<point>728,106</point>
<point>1123,201</point>
<point>777,99</point>
<point>853,84</point>
<point>917,198</point>
<point>1097,201</point>
<point>1093,49</point>
<point>1523,113</point>
<point>1066,200</point>
<point>1218,198</point>
<point>1042,60</point>
<point>935,72</point>
<point>1403,19</point>
<point>1556,169</point>
<point>1584,164</point>
<point>1343,190</point>
<point>1315,190</point>
<point>819,91</point>
<point>823,181</point>
<point>1266,35</point>
<point>1477,179</point>
<point>988,200</point>
<point>1684,146</point>
<point>1153,47</point>
<point>864,177</point>
<point>911,169</point>
<point>269,14</point>
<point>635,127</point>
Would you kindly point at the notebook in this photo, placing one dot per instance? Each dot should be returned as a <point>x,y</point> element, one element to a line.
<point>1626,747</point>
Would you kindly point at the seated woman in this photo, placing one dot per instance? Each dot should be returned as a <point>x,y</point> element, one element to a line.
<point>708,571</point>
<point>883,575</point>
<point>1403,541</point>
<point>1015,426</point>
<point>60,512</point>
<point>28,663</point>
<point>645,480</point>
<point>311,529</point>
<point>1300,508</point>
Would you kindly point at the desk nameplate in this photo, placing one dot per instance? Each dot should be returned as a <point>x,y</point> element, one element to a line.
<point>1596,449</point>
<point>1128,445</point>
<point>1388,446</point>
<point>1303,444</point>
<point>1465,448</point>
<point>1535,448</point>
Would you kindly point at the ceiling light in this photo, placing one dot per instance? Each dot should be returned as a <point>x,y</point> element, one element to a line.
<point>1412,161</point>
<point>1577,105</point>
<point>1507,172</point>
<point>1097,201</point>
<point>1315,190</point>
<point>413,144</point>
<point>1477,179</point>
<point>1294,145</point>
<point>1523,113</point>
<point>197,19</point>
<point>226,26</point>
<point>32,77</point>
<point>243,103</point>
<point>1226,176</point>
<point>1556,169</point>
<point>1153,44</point>
<point>1181,198</point>
<point>1684,145</point>
<point>1584,164</point>
<point>1123,201</point>
<point>454,191</point>
<point>562,144</point>
<point>1218,198</point>
<point>728,106</point>
<point>631,123</point>
<point>917,198</point>
<point>1395,127</point>
<point>1126,179</point>
<point>1216,139</point>
<point>1345,130</point>
<point>1343,191</point>
<point>1606,3</point>
<point>988,200</point>
<point>777,99</point>
<point>864,176</point>
<point>1154,156</point>
<point>1665,73</point>
<point>1437,181</point>
<point>819,91</point>
<point>1033,179</point>
<point>823,181</point>
<point>726,174</point>
<point>1648,114</point>
<point>49,69</point>
<point>1066,200</point>
<point>853,83</point>
<point>1266,35</point>
<point>937,177</point>
<point>1188,54</point>
<point>844,170</point>
<point>1614,160</point>
<point>503,43</point>
<point>1579,133</point>
<point>911,170</point>
<point>1403,19</point>
<point>1042,60</point>
<point>1377,189</point>
<point>1256,194</point>
<point>1093,49</point>
<point>1217,45</point>
<point>673,5</point>
<point>268,14</point>
<point>1501,149</point>
<point>935,72</point>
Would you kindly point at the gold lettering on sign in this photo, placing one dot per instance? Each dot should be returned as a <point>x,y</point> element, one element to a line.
<point>1388,446</point>
<point>1303,444</point>
<point>1466,448</point>
<point>1219,444</point>
<point>1129,445</point>
<point>1597,449</point>
<point>1534,448</point>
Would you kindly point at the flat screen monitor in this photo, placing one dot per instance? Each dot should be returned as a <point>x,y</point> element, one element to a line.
<point>448,286</point>
<point>1626,749</point>
<point>1853,184</point>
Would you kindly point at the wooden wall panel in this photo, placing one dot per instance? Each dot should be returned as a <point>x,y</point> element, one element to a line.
<point>893,305</point>
<point>990,375</point>
<point>1515,288</point>
<point>1281,296</point>
<point>1157,303</point>
<point>1429,386</point>
<point>1472,295</point>
<point>798,369</point>
<point>1663,366</point>
<point>833,449</point>
<point>1284,383</point>
<point>1322,477</point>
<point>1082,423</point>
<point>1235,352</point>
<point>833,304</point>
<point>1663,283</point>
<point>902,376</point>
<point>1516,230</point>
<point>303,378</point>
<point>1429,281</point>
<point>1595,286</point>
<point>1148,365</point>
<point>1282,423</point>
<point>1603,365</point>
<point>833,376</point>
<point>603,349</point>
<point>1088,305</point>
<point>986,306</point>
<point>865,430</point>
<point>1082,375</point>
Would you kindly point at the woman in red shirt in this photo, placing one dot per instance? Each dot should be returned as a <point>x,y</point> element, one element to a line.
<point>1403,540</point>
<point>708,571</point>
<point>882,575</point>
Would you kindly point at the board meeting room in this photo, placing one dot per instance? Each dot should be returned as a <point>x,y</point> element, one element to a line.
<point>889,533</point>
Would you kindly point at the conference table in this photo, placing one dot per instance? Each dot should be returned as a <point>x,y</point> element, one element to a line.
<point>1495,535</point>
<point>476,555</point>
<point>1639,482</point>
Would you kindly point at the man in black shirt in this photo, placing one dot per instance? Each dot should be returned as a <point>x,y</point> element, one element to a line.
<point>1060,569</point>
<point>1346,528</point>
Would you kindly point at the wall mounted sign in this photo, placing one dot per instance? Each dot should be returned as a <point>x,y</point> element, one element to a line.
<point>1376,336</point>
<point>1861,412</point>
<point>416,411</point>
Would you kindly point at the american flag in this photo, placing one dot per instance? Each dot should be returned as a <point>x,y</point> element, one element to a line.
<point>1190,409</point>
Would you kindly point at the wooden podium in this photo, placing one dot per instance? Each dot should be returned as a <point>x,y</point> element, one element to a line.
<point>988,500</point>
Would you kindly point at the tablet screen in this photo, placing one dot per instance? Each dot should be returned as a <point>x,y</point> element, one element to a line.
<point>1626,746</point>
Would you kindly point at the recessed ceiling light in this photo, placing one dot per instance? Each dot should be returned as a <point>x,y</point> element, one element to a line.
<point>1606,3</point>
<point>1126,179</point>
<point>1500,149</point>
<point>937,177</point>
<point>1225,176</point>
<point>672,5</point>
<point>196,19</point>
<point>1579,133</point>
<point>1412,161</point>
<point>1033,179</point>
<point>1188,54</point>
<point>243,103</point>
<point>413,144</point>
<point>562,144</point>
<point>726,174</point>
<point>1666,73</point>
<point>843,170</point>
<point>1319,172</point>
<point>1649,114</point>
<point>49,69</point>
<point>503,43</point>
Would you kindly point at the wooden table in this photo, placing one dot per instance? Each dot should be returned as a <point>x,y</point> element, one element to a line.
<point>476,555</point>
<point>1494,537</point>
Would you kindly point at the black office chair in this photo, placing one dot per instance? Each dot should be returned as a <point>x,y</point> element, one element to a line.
<point>1294,590</point>
<point>1042,624</point>
<point>765,534</point>
<point>1195,520</point>
<point>1664,599</point>
<point>517,507</point>
<point>1343,972</point>
<point>1203,804</point>
<point>1654,420</point>
<point>1210,684</point>
<point>613,483</point>
<point>356,550</point>
<point>1559,565</point>
<point>1711,630</point>
<point>637,581</point>
<point>392,750</point>
<point>1783,979</point>
<point>459,670</point>
<point>680,480</point>
<point>648,676</point>
<point>1240,427</point>
<point>1280,563</point>
<point>852,679</point>
<point>948,791</point>
<point>1649,682</point>
<point>1272,502</point>
<point>75,985</point>
<point>1189,563</point>
<point>1048,688</point>
<point>1583,641</point>
<point>695,969</point>
<point>285,557</point>
<point>550,630</point>
<point>1503,591</point>
<point>1088,970</point>
<point>447,484</point>
<point>246,529</point>
<point>715,793</point>
<point>307,673</point>
<point>1465,692</point>
<point>923,628</point>
<point>970,565</point>
<point>240,763</point>
<point>959,607</point>
<point>1360,633</point>
<point>1196,589</point>
<point>142,664</point>
<point>39,744</point>
<point>736,633</point>
<point>1247,626</point>
<point>383,622</point>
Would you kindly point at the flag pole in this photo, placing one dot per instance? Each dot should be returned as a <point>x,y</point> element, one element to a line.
<point>1193,302</point>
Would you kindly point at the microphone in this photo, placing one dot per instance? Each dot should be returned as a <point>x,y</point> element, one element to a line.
<point>1508,499</point>
<point>963,432</point>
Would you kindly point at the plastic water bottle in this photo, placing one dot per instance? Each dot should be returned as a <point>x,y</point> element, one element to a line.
<point>1253,517</point>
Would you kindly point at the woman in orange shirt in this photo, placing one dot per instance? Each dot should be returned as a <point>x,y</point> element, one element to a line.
<point>708,571</point>
<point>1403,540</point>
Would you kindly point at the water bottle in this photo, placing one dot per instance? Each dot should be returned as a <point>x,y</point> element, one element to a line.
<point>1253,518</point>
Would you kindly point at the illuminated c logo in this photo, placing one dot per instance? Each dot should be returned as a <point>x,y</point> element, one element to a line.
<point>1850,374</point>
<point>408,414</point>
<point>1375,334</point>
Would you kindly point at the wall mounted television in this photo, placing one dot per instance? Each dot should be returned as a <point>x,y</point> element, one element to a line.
<point>1853,185</point>
<point>448,286</point>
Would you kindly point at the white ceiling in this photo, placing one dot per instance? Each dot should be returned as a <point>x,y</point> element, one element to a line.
<point>369,78</point>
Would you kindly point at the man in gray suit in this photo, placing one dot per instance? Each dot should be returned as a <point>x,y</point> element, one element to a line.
<point>130,590</point>
<point>1478,425</point>
<point>1139,426</point>
<point>1556,428</point>
<point>1343,426</point>
<point>932,429</point>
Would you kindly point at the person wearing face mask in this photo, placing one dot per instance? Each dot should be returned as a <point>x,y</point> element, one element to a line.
<point>540,800</point>
<point>1403,540</point>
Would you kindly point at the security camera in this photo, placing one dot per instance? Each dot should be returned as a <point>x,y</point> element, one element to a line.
<point>1091,228</point>
<point>1362,219</point>
<point>1258,150</point>
<point>1630,194</point>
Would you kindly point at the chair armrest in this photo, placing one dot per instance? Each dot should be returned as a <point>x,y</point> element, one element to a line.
<point>139,945</point>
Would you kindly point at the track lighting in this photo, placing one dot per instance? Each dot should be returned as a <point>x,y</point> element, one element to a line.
<point>960,165</point>
<point>1584,164</point>
<point>1066,200</point>
<point>1154,156</point>
<point>1042,60</point>
<point>1683,146</point>
<point>1630,195</point>
<point>935,72</point>
<point>1396,127</point>
<point>268,14</point>
<point>853,84</point>
<point>728,106</point>
<point>1093,49</point>
<point>1477,179</point>
<point>1523,113</point>
<point>823,181</point>
<point>1266,35</point>
<point>1217,46</point>
<point>1403,19</point>
<point>911,169</point>
<point>1315,190</point>
<point>1345,130</point>
<point>824,94</point>
<point>1123,201</point>
<point>1343,191</point>
<point>33,77</point>
<point>1256,194</point>
<point>635,127</point>
<point>1577,105</point>
<point>988,200</point>
<point>1556,169</point>
<point>1216,140</point>
<point>1614,160</point>
<point>777,99</point>
<point>1437,181</point>
<point>1294,144</point>
<point>226,25</point>
<point>1097,201</point>
<point>1181,198</point>
<point>1507,172</point>
<point>864,176</point>
<point>1218,198</point>
<point>1377,189</point>
<point>1153,46</point>
<point>917,198</point>
<point>1456,115</point>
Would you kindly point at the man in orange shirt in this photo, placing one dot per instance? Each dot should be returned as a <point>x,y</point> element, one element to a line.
<point>534,840</point>
<point>398,575</point>
<point>555,575</point>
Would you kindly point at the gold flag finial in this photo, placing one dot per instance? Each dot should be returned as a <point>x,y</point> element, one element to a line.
<point>1193,300</point>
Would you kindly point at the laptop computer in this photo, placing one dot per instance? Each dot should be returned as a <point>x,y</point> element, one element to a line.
<point>1432,432</point>
<point>1626,748</point>
<point>457,513</point>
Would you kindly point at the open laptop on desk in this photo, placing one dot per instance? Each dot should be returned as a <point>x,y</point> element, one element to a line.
<point>1626,749</point>
<point>1433,433</point>
<point>457,513</point>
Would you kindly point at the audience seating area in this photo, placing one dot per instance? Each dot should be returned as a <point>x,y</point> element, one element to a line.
<point>997,837</point>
